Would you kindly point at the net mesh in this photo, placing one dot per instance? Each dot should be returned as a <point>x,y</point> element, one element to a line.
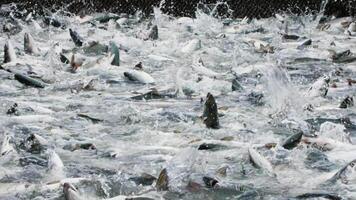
<point>239,8</point>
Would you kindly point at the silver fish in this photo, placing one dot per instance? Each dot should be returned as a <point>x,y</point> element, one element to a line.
<point>29,45</point>
<point>9,53</point>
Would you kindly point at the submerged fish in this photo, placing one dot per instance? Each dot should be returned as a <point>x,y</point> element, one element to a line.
<point>210,114</point>
<point>318,195</point>
<point>85,146</point>
<point>29,45</point>
<point>9,52</point>
<point>212,147</point>
<point>95,48</point>
<point>29,81</point>
<point>92,119</point>
<point>346,174</point>
<point>144,179</point>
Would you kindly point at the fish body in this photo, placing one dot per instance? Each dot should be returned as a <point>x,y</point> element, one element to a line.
<point>139,76</point>
<point>347,102</point>
<point>77,39</point>
<point>346,174</point>
<point>114,49</point>
<point>292,141</point>
<point>210,114</point>
<point>29,45</point>
<point>29,81</point>
<point>162,181</point>
<point>6,147</point>
<point>9,52</point>
<point>320,87</point>
<point>153,33</point>
<point>70,192</point>
<point>192,46</point>
<point>259,161</point>
<point>54,161</point>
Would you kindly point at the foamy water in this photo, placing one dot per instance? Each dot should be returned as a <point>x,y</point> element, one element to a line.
<point>191,58</point>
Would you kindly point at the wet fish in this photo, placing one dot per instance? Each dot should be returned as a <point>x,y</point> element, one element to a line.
<point>85,146</point>
<point>106,18</point>
<point>114,49</point>
<point>260,46</point>
<point>212,147</point>
<point>222,171</point>
<point>32,160</point>
<point>30,46</point>
<point>9,52</point>
<point>55,163</point>
<point>210,114</point>
<point>92,119</point>
<point>6,147</point>
<point>12,27</point>
<point>70,192</point>
<point>347,102</point>
<point>139,76</point>
<point>153,33</point>
<point>290,37</point>
<point>345,174</point>
<point>210,182</point>
<point>318,195</point>
<point>293,141</point>
<point>13,110</point>
<point>76,62</point>
<point>304,44</point>
<point>162,181</point>
<point>321,144</point>
<point>316,159</point>
<point>77,39</point>
<point>29,81</point>
<point>153,93</point>
<point>64,59</point>
<point>52,21</point>
<point>320,87</point>
<point>342,57</point>
<point>259,161</point>
<point>34,144</point>
<point>191,46</point>
<point>236,85</point>
<point>144,179</point>
<point>95,48</point>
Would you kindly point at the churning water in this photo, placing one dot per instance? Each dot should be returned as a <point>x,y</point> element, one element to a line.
<point>93,127</point>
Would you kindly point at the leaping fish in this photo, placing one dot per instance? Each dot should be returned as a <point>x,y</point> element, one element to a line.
<point>9,52</point>
<point>30,46</point>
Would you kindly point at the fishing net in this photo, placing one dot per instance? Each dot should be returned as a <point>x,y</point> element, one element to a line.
<point>234,8</point>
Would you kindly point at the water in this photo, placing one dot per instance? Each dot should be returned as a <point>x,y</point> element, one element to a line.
<point>133,137</point>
